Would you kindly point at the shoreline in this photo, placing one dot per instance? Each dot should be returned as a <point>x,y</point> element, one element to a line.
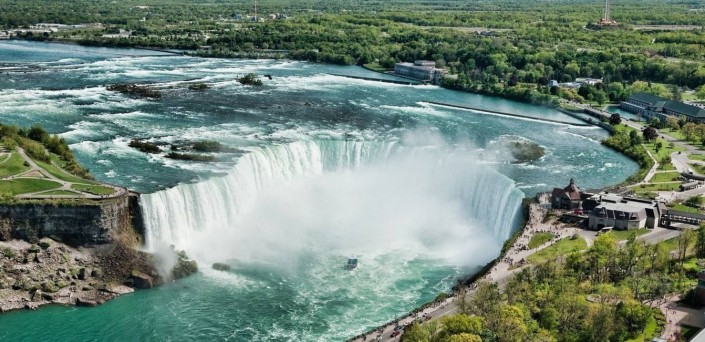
<point>192,53</point>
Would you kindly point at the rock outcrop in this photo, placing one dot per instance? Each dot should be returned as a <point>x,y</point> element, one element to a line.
<point>82,254</point>
<point>32,275</point>
<point>219,266</point>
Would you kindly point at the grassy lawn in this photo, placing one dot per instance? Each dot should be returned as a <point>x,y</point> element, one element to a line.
<point>676,134</point>
<point>665,177</point>
<point>666,167</point>
<point>571,107</point>
<point>689,332</point>
<point>61,193</point>
<point>93,189</point>
<point>692,265</point>
<point>539,239</point>
<point>560,248</point>
<point>664,151</point>
<point>698,168</point>
<point>672,245</point>
<point>23,186</point>
<point>622,235</point>
<point>376,67</point>
<point>696,156</point>
<point>61,174</point>
<point>657,187</point>
<point>13,166</point>
<point>687,209</point>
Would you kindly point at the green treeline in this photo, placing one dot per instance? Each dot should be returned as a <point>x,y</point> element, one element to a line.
<point>529,43</point>
<point>607,293</point>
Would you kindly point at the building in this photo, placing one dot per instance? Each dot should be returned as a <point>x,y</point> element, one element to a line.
<point>650,106</point>
<point>624,213</point>
<point>570,85</point>
<point>568,198</point>
<point>588,81</point>
<point>700,288</point>
<point>552,83</point>
<point>421,70</point>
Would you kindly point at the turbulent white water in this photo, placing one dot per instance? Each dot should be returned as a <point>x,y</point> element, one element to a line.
<point>353,197</point>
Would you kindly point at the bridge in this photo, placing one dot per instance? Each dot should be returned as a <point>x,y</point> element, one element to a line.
<point>675,216</point>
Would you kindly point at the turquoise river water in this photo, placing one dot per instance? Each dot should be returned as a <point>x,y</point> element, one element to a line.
<point>322,168</point>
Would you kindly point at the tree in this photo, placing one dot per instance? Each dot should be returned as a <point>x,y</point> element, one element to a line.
<point>600,324</point>
<point>465,338</point>
<point>650,133</point>
<point>700,131</point>
<point>682,119</point>
<point>685,240</point>
<point>656,122</point>
<point>700,241</point>
<point>601,256</point>
<point>634,315</point>
<point>658,146</point>
<point>511,326</point>
<point>461,299</point>
<point>615,91</point>
<point>689,130</point>
<point>486,303</point>
<point>37,133</point>
<point>672,122</point>
<point>461,323</point>
<point>615,119</point>
<point>601,97</point>
<point>700,93</point>
<point>666,159</point>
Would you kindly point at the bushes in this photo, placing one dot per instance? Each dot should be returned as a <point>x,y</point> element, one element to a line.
<point>250,79</point>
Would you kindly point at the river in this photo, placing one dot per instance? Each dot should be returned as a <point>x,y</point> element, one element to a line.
<point>321,168</point>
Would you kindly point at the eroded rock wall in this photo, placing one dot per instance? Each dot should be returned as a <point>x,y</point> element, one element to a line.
<point>76,224</point>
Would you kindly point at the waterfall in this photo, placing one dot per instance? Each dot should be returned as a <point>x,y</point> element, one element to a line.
<point>409,182</point>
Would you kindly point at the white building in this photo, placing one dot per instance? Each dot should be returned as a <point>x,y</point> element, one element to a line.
<point>421,70</point>
<point>624,213</point>
<point>588,81</point>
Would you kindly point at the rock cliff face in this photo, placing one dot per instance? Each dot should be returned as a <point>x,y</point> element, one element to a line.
<point>84,224</point>
<point>76,253</point>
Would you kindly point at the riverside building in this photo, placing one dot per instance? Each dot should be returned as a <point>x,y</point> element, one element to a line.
<point>649,106</point>
<point>421,70</point>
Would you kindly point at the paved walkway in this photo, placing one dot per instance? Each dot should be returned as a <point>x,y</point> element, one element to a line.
<point>676,316</point>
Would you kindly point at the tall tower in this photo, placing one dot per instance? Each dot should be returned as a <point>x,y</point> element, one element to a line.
<point>606,21</point>
<point>257,18</point>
